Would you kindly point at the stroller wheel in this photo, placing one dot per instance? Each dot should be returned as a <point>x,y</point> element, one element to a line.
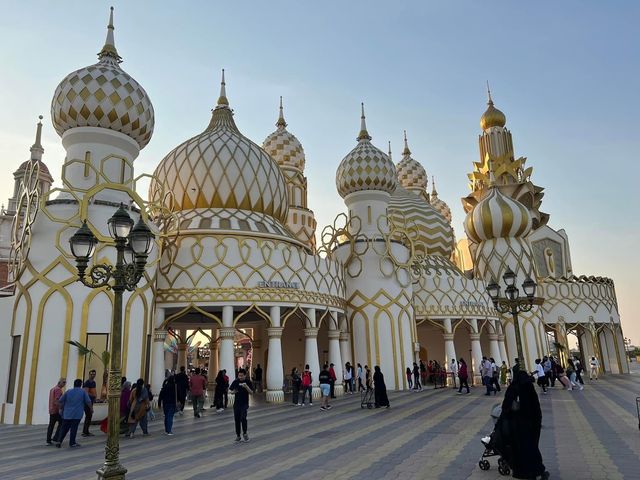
<point>484,465</point>
<point>504,470</point>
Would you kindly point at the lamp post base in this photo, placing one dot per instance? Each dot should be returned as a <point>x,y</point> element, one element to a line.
<point>112,472</point>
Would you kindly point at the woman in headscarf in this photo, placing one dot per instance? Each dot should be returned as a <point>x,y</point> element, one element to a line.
<point>518,429</point>
<point>138,405</point>
<point>379,389</point>
<point>218,393</point>
<point>168,401</point>
<point>125,393</point>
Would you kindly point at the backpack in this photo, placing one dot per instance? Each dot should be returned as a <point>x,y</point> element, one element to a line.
<point>306,379</point>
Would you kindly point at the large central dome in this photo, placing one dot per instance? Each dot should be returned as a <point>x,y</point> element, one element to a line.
<point>221,168</point>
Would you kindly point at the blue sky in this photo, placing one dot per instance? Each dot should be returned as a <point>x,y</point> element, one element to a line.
<point>565,74</point>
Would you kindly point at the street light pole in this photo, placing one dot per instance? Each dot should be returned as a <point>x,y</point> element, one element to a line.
<point>125,276</point>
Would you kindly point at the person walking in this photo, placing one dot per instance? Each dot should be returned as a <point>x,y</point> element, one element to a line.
<point>495,376</point>
<point>332,374</point>
<point>89,387</point>
<point>546,366</point>
<point>54,410</point>
<point>463,375</point>
<point>380,389</point>
<point>182,387</point>
<point>257,375</point>
<point>307,380</point>
<point>409,378</point>
<point>367,377</point>
<point>519,427</point>
<point>197,386</point>
<point>218,392</point>
<point>541,378</point>
<point>138,405</point>
<point>579,370</point>
<point>516,368</point>
<point>325,387</point>
<point>125,395</point>
<point>594,366</point>
<point>296,383</point>
<point>73,404</point>
<point>226,389</point>
<point>573,376</point>
<point>423,372</point>
<point>416,377</point>
<point>168,400</point>
<point>486,371</point>
<point>504,370</point>
<point>348,379</point>
<point>241,387</point>
<point>562,376</point>
<point>553,371</point>
<point>360,375</point>
<point>453,369</point>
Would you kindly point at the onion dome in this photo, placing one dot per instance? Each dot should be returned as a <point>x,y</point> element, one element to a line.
<point>365,167</point>
<point>36,156</point>
<point>497,216</point>
<point>283,146</point>
<point>411,174</point>
<point>103,95</point>
<point>435,235</point>
<point>440,205</point>
<point>221,168</point>
<point>492,117</point>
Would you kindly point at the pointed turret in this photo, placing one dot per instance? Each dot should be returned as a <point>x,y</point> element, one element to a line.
<point>109,49</point>
<point>406,150</point>
<point>36,149</point>
<point>281,122</point>
<point>222,99</point>
<point>364,134</point>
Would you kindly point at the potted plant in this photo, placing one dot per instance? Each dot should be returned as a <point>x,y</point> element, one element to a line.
<point>100,409</point>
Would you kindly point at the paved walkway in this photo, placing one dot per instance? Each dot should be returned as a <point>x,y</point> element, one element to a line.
<point>433,434</point>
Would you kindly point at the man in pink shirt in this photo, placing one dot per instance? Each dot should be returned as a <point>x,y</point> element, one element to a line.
<point>197,386</point>
<point>54,410</point>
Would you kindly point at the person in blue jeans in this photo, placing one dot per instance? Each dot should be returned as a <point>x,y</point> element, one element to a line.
<point>72,406</point>
<point>168,401</point>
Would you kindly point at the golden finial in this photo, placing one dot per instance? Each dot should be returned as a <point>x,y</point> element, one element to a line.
<point>36,149</point>
<point>434,192</point>
<point>222,99</point>
<point>109,49</point>
<point>364,134</point>
<point>492,117</point>
<point>281,122</point>
<point>490,101</point>
<point>406,150</point>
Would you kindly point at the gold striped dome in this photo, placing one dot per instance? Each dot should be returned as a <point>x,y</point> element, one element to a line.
<point>221,168</point>
<point>435,235</point>
<point>497,216</point>
<point>492,117</point>
<point>365,167</point>
<point>283,145</point>
<point>104,95</point>
<point>411,173</point>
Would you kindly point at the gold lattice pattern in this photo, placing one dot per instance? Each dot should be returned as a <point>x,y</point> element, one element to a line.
<point>103,95</point>
<point>411,174</point>
<point>285,149</point>
<point>365,168</point>
<point>494,256</point>
<point>435,235</point>
<point>345,231</point>
<point>574,291</point>
<point>221,168</point>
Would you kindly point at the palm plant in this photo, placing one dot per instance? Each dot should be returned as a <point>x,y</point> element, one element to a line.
<point>103,358</point>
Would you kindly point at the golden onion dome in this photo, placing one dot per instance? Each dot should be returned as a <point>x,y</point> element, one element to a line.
<point>492,117</point>
<point>283,146</point>
<point>434,232</point>
<point>104,95</point>
<point>497,216</point>
<point>221,168</point>
<point>411,173</point>
<point>365,167</point>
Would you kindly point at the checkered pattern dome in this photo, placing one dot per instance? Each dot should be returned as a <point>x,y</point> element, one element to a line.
<point>285,148</point>
<point>411,174</point>
<point>103,95</point>
<point>365,168</point>
<point>221,168</point>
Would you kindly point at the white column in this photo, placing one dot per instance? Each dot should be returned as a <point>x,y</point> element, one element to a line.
<point>182,355</point>
<point>226,359</point>
<point>213,360</point>
<point>169,360</point>
<point>311,357</point>
<point>494,348</point>
<point>336,359</point>
<point>476,351</point>
<point>345,348</point>
<point>449,347</point>
<point>157,367</point>
<point>275,370</point>
<point>503,349</point>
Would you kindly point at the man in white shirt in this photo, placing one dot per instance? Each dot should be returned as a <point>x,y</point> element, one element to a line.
<point>540,376</point>
<point>594,366</point>
<point>453,369</point>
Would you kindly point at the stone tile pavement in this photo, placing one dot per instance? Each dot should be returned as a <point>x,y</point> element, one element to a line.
<point>434,434</point>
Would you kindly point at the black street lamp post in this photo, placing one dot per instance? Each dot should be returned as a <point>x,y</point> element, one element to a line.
<point>513,303</point>
<point>133,245</point>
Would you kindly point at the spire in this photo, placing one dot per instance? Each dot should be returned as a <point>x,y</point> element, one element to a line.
<point>36,149</point>
<point>406,150</point>
<point>390,150</point>
<point>490,101</point>
<point>281,122</point>
<point>109,50</point>
<point>434,192</point>
<point>222,99</point>
<point>364,134</point>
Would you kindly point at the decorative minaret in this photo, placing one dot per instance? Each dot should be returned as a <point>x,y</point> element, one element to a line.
<point>378,289</point>
<point>287,151</point>
<point>511,175</point>
<point>498,226</point>
<point>411,174</point>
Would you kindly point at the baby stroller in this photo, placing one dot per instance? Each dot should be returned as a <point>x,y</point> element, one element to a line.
<point>366,398</point>
<point>491,447</point>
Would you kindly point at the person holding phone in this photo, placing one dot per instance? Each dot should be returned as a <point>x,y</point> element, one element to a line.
<point>241,387</point>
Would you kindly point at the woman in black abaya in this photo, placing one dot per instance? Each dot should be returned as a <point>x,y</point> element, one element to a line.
<point>380,389</point>
<point>519,429</point>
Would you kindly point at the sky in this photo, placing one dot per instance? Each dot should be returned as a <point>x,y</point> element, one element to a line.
<point>564,73</point>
